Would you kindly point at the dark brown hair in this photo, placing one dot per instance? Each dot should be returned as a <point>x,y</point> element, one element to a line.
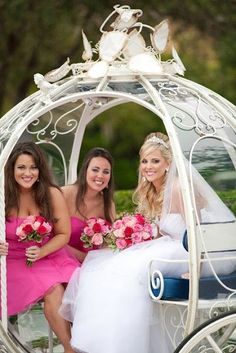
<point>40,188</point>
<point>82,184</point>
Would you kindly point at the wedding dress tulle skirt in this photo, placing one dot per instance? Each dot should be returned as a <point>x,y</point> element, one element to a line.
<point>108,300</point>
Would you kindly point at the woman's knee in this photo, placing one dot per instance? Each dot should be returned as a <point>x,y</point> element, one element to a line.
<point>55,294</point>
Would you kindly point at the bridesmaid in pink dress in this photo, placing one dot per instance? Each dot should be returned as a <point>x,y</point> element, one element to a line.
<point>29,190</point>
<point>90,196</point>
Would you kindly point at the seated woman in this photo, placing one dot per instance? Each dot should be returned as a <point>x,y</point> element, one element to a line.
<point>90,196</point>
<point>29,191</point>
<point>111,309</point>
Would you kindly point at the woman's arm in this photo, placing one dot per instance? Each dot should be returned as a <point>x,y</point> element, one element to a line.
<point>61,228</point>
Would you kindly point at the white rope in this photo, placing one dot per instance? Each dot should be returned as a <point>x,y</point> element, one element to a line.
<point>3,258</point>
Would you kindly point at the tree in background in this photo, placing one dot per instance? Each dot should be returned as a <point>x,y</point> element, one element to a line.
<point>38,36</point>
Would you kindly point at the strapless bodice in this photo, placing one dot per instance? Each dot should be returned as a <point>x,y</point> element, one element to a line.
<point>77,226</point>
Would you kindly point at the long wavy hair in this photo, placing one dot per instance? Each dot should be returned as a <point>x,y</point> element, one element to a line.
<point>149,201</point>
<point>40,188</point>
<point>82,183</point>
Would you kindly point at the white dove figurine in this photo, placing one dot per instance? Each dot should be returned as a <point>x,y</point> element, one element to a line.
<point>59,73</point>
<point>44,86</point>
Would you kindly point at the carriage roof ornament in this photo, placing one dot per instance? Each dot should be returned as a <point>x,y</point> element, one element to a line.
<point>121,51</point>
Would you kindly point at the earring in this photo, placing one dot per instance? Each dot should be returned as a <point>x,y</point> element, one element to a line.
<point>166,170</point>
<point>144,179</point>
<point>37,180</point>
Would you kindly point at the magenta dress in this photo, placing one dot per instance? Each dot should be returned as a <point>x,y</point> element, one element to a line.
<point>27,285</point>
<point>77,226</point>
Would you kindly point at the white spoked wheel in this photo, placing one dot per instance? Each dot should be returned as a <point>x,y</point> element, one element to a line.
<point>215,335</point>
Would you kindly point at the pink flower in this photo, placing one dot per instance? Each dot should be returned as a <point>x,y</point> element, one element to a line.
<point>88,231</point>
<point>137,237</point>
<point>117,224</point>
<point>22,236</point>
<point>138,227</point>
<point>97,228</point>
<point>39,219</point>
<point>119,233</point>
<point>147,228</point>
<point>128,231</point>
<point>140,218</point>
<point>121,244</point>
<point>36,225</point>
<point>44,228</point>
<point>27,228</point>
<point>97,239</point>
<point>129,221</point>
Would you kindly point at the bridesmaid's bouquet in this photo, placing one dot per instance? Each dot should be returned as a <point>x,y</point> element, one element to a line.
<point>129,230</point>
<point>33,229</point>
<point>95,232</point>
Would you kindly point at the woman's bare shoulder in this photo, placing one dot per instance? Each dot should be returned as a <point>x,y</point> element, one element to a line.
<point>69,190</point>
<point>55,192</point>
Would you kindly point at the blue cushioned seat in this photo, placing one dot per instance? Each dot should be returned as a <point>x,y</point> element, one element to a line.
<point>209,287</point>
<point>174,289</point>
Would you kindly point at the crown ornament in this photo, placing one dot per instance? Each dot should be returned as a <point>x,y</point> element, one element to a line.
<point>121,50</point>
<point>157,140</point>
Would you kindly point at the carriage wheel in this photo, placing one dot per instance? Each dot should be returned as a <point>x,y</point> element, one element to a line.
<point>215,335</point>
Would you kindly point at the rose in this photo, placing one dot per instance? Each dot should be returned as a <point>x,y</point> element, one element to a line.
<point>140,218</point>
<point>129,221</point>
<point>97,228</point>
<point>128,231</point>
<point>137,238</point>
<point>97,239</point>
<point>121,244</point>
<point>27,229</point>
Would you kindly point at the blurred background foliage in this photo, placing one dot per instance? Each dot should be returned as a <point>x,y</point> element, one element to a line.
<point>124,202</point>
<point>38,36</point>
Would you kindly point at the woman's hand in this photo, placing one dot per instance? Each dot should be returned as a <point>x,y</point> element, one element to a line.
<point>33,253</point>
<point>3,248</point>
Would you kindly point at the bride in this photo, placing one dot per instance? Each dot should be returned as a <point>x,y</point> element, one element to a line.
<point>107,300</point>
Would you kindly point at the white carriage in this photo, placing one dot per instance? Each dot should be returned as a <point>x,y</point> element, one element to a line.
<point>201,126</point>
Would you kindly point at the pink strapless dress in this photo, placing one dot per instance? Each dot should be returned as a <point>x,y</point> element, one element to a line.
<point>27,285</point>
<point>77,226</point>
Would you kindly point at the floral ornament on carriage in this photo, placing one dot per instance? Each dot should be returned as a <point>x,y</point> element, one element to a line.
<point>121,48</point>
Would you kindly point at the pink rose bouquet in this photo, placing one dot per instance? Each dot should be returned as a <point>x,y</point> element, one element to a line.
<point>95,232</point>
<point>34,229</point>
<point>129,230</point>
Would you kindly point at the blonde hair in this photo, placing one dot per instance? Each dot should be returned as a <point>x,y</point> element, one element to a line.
<point>149,201</point>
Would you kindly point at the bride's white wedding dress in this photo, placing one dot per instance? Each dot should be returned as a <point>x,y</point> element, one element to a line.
<point>108,300</point>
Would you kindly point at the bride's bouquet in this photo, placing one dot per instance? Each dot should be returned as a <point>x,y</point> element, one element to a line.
<point>129,230</point>
<point>33,229</point>
<point>95,232</point>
